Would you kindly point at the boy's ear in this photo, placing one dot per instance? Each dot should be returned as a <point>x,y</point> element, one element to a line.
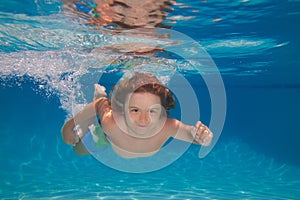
<point>164,112</point>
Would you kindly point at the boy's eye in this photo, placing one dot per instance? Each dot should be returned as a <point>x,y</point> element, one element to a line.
<point>134,110</point>
<point>153,112</point>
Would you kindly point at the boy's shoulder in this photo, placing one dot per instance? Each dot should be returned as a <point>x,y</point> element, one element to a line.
<point>172,125</point>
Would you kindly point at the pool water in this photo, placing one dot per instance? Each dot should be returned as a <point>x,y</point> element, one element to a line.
<point>46,56</point>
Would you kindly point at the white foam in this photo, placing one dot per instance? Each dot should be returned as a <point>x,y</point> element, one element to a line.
<point>71,74</point>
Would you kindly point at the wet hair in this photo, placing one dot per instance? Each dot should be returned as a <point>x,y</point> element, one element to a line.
<point>140,83</point>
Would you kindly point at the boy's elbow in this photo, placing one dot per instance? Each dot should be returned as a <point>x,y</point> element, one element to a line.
<point>67,131</point>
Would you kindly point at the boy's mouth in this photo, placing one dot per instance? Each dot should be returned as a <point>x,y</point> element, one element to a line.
<point>142,126</point>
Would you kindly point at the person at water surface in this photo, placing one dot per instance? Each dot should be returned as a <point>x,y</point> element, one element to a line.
<point>135,119</point>
<point>124,13</point>
<point>131,18</point>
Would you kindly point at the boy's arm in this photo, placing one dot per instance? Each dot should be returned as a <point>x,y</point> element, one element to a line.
<point>80,123</point>
<point>83,119</point>
<point>199,134</point>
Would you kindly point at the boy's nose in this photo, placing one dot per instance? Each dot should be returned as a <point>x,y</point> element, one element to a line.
<point>144,119</point>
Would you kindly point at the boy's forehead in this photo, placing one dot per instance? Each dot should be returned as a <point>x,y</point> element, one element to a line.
<point>143,98</point>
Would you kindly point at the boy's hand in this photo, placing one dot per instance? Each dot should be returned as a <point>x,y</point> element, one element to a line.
<point>202,134</point>
<point>99,91</point>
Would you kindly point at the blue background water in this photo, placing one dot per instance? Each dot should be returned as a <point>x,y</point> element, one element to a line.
<point>255,46</point>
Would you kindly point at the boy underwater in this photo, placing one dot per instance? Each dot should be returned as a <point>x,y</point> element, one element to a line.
<point>135,119</point>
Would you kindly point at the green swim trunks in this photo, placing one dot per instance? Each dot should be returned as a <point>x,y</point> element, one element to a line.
<point>99,136</point>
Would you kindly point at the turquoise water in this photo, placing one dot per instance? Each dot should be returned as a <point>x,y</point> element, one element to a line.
<point>47,57</point>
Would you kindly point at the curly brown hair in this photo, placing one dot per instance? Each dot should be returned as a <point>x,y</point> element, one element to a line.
<point>139,83</point>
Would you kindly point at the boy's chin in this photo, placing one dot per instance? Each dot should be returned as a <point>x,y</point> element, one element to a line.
<point>142,133</point>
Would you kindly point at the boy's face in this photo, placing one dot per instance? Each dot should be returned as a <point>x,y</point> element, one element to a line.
<point>143,114</point>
